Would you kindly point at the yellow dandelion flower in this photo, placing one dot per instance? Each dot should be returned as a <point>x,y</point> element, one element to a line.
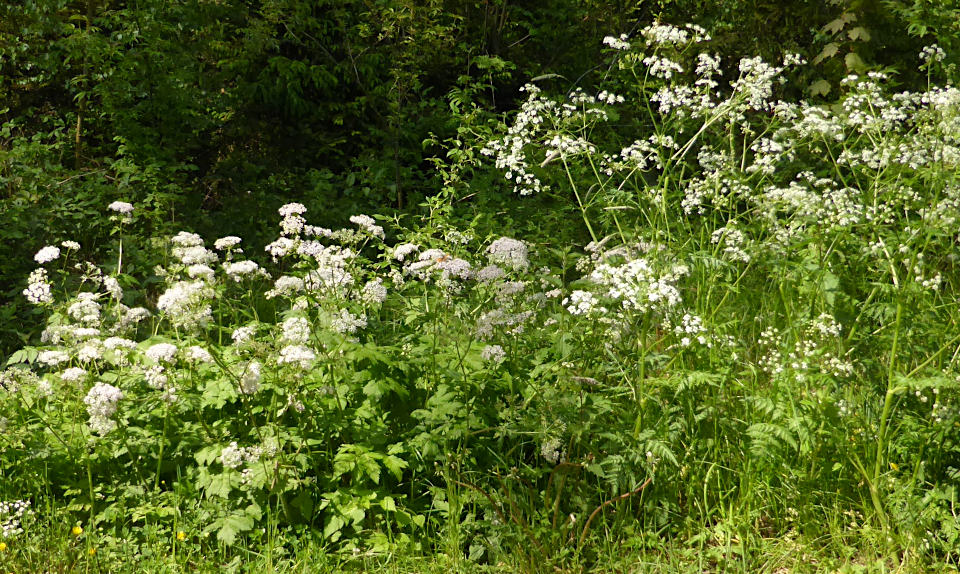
<point>76,530</point>
<point>92,551</point>
<point>181,535</point>
<point>3,546</point>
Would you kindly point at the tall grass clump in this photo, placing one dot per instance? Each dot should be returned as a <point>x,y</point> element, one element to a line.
<point>754,357</point>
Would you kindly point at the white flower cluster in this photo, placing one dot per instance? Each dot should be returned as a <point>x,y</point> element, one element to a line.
<point>296,330</point>
<point>234,456</point>
<point>297,355</point>
<point>659,34</point>
<point>493,354</point>
<point>47,254</point>
<point>583,303</point>
<point>11,517</point>
<point>438,260</point>
<point>162,353</point>
<point>932,53</point>
<point>637,285</point>
<point>189,249</point>
<point>732,240</point>
<point>121,207</point>
<point>617,43</point>
<point>509,253</point>
<point>38,287</point>
<point>331,276</point>
<point>346,322</point>
<point>239,270</point>
<point>552,450</point>
<point>85,309</point>
<point>228,243</point>
<point>366,223</point>
<point>101,403</point>
<point>400,252</point>
<point>187,304</point>
<point>691,329</point>
<point>508,152</point>
<point>250,378</point>
<point>374,292</point>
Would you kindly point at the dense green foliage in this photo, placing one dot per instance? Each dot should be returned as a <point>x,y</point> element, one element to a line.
<point>629,297</point>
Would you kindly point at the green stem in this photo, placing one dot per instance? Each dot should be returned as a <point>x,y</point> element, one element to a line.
<point>885,415</point>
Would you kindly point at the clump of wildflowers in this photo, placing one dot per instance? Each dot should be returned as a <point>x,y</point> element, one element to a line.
<point>47,254</point>
<point>11,517</point>
<point>38,288</point>
<point>509,253</point>
<point>101,403</point>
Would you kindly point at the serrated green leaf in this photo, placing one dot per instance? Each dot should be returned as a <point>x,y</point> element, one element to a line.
<point>233,525</point>
<point>819,88</point>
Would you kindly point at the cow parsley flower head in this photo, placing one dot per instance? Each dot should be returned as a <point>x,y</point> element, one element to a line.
<point>401,251</point>
<point>292,209</point>
<point>197,354</point>
<point>227,243</point>
<point>285,285</point>
<point>162,352</point>
<point>121,207</point>
<point>346,322</point>
<point>250,379</point>
<point>11,516</point>
<point>73,374</point>
<point>932,53</point>
<point>101,403</point>
<point>616,43</point>
<point>237,270</point>
<point>493,354</point>
<point>367,223</point>
<point>112,287</point>
<point>187,304</point>
<point>85,309</point>
<point>296,330</point>
<point>374,292</point>
<point>552,450</point>
<point>231,456</point>
<point>241,335</point>
<point>38,288</point>
<point>509,253</point>
<point>490,273</point>
<point>47,254</point>
<point>52,358</point>
<point>298,355</point>
<point>582,303</point>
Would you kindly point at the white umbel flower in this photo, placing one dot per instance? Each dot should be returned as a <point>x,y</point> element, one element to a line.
<point>47,254</point>
<point>121,207</point>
